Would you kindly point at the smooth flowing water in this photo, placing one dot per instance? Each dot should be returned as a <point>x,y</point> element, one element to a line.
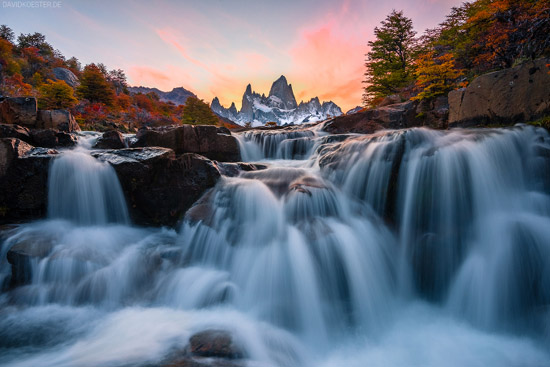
<point>403,248</point>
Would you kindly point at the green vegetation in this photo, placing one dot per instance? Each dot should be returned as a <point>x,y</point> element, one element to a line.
<point>389,61</point>
<point>198,112</point>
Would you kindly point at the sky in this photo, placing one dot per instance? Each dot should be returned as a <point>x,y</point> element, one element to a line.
<point>217,47</point>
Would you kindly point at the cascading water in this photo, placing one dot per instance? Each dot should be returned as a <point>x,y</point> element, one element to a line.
<point>412,247</point>
<point>85,190</point>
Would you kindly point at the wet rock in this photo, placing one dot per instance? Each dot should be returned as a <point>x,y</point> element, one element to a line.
<point>200,139</point>
<point>19,111</point>
<point>235,169</point>
<point>214,343</point>
<point>23,180</point>
<point>61,120</point>
<point>160,186</point>
<point>394,116</point>
<point>15,131</point>
<point>110,140</point>
<point>507,96</point>
<point>21,256</point>
<point>50,138</point>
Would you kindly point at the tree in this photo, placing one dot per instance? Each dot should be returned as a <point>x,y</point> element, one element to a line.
<point>435,76</point>
<point>36,40</point>
<point>56,95</point>
<point>198,112</point>
<point>6,33</point>
<point>94,87</point>
<point>389,61</point>
<point>118,79</point>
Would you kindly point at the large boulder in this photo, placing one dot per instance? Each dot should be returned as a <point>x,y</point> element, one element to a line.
<point>23,180</point>
<point>111,139</point>
<point>50,138</point>
<point>67,76</point>
<point>201,139</point>
<point>394,116</point>
<point>19,111</point>
<point>160,186</point>
<point>518,94</point>
<point>61,120</point>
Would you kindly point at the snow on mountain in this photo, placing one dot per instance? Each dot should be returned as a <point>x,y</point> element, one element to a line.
<point>279,106</point>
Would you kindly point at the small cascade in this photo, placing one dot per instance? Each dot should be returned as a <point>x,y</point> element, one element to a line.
<point>85,190</point>
<point>285,144</point>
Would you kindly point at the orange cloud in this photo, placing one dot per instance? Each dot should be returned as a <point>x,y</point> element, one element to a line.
<point>328,64</point>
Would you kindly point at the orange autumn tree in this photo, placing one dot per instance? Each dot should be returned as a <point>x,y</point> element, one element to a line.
<point>435,76</point>
<point>55,95</point>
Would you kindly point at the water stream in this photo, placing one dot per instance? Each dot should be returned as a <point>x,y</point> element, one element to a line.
<point>403,248</point>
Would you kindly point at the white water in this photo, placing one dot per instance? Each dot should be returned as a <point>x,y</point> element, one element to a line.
<point>319,261</point>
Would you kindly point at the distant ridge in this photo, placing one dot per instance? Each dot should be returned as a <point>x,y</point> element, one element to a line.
<point>178,95</point>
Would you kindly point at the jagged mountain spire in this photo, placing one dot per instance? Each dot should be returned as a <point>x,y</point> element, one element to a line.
<point>279,106</point>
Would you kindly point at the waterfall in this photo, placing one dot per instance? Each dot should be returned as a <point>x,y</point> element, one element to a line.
<point>406,247</point>
<point>85,190</point>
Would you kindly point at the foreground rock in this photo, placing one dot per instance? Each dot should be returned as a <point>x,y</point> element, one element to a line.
<point>518,94</point>
<point>110,140</point>
<point>208,348</point>
<point>37,137</point>
<point>394,116</point>
<point>23,180</point>
<point>201,139</point>
<point>160,187</point>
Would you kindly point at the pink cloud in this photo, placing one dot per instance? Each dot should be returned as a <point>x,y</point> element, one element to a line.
<point>329,64</point>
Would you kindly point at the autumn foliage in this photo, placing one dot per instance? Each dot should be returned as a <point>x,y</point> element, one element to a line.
<point>100,101</point>
<point>475,38</point>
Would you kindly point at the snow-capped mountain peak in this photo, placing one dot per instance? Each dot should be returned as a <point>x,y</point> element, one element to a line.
<point>279,106</point>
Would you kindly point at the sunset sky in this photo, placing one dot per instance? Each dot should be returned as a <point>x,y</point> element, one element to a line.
<point>217,47</point>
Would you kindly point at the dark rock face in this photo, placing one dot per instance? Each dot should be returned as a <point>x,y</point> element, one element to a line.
<point>61,120</point>
<point>15,131</point>
<point>52,139</point>
<point>356,123</point>
<point>434,113</point>
<point>160,187</point>
<point>395,116</point>
<point>110,140</point>
<point>19,111</point>
<point>508,96</point>
<point>67,76</point>
<point>200,139</point>
<point>23,180</point>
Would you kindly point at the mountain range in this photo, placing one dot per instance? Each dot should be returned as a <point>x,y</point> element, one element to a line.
<point>279,106</point>
<point>178,96</point>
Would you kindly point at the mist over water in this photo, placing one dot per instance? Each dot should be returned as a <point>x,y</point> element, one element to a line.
<point>404,248</point>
